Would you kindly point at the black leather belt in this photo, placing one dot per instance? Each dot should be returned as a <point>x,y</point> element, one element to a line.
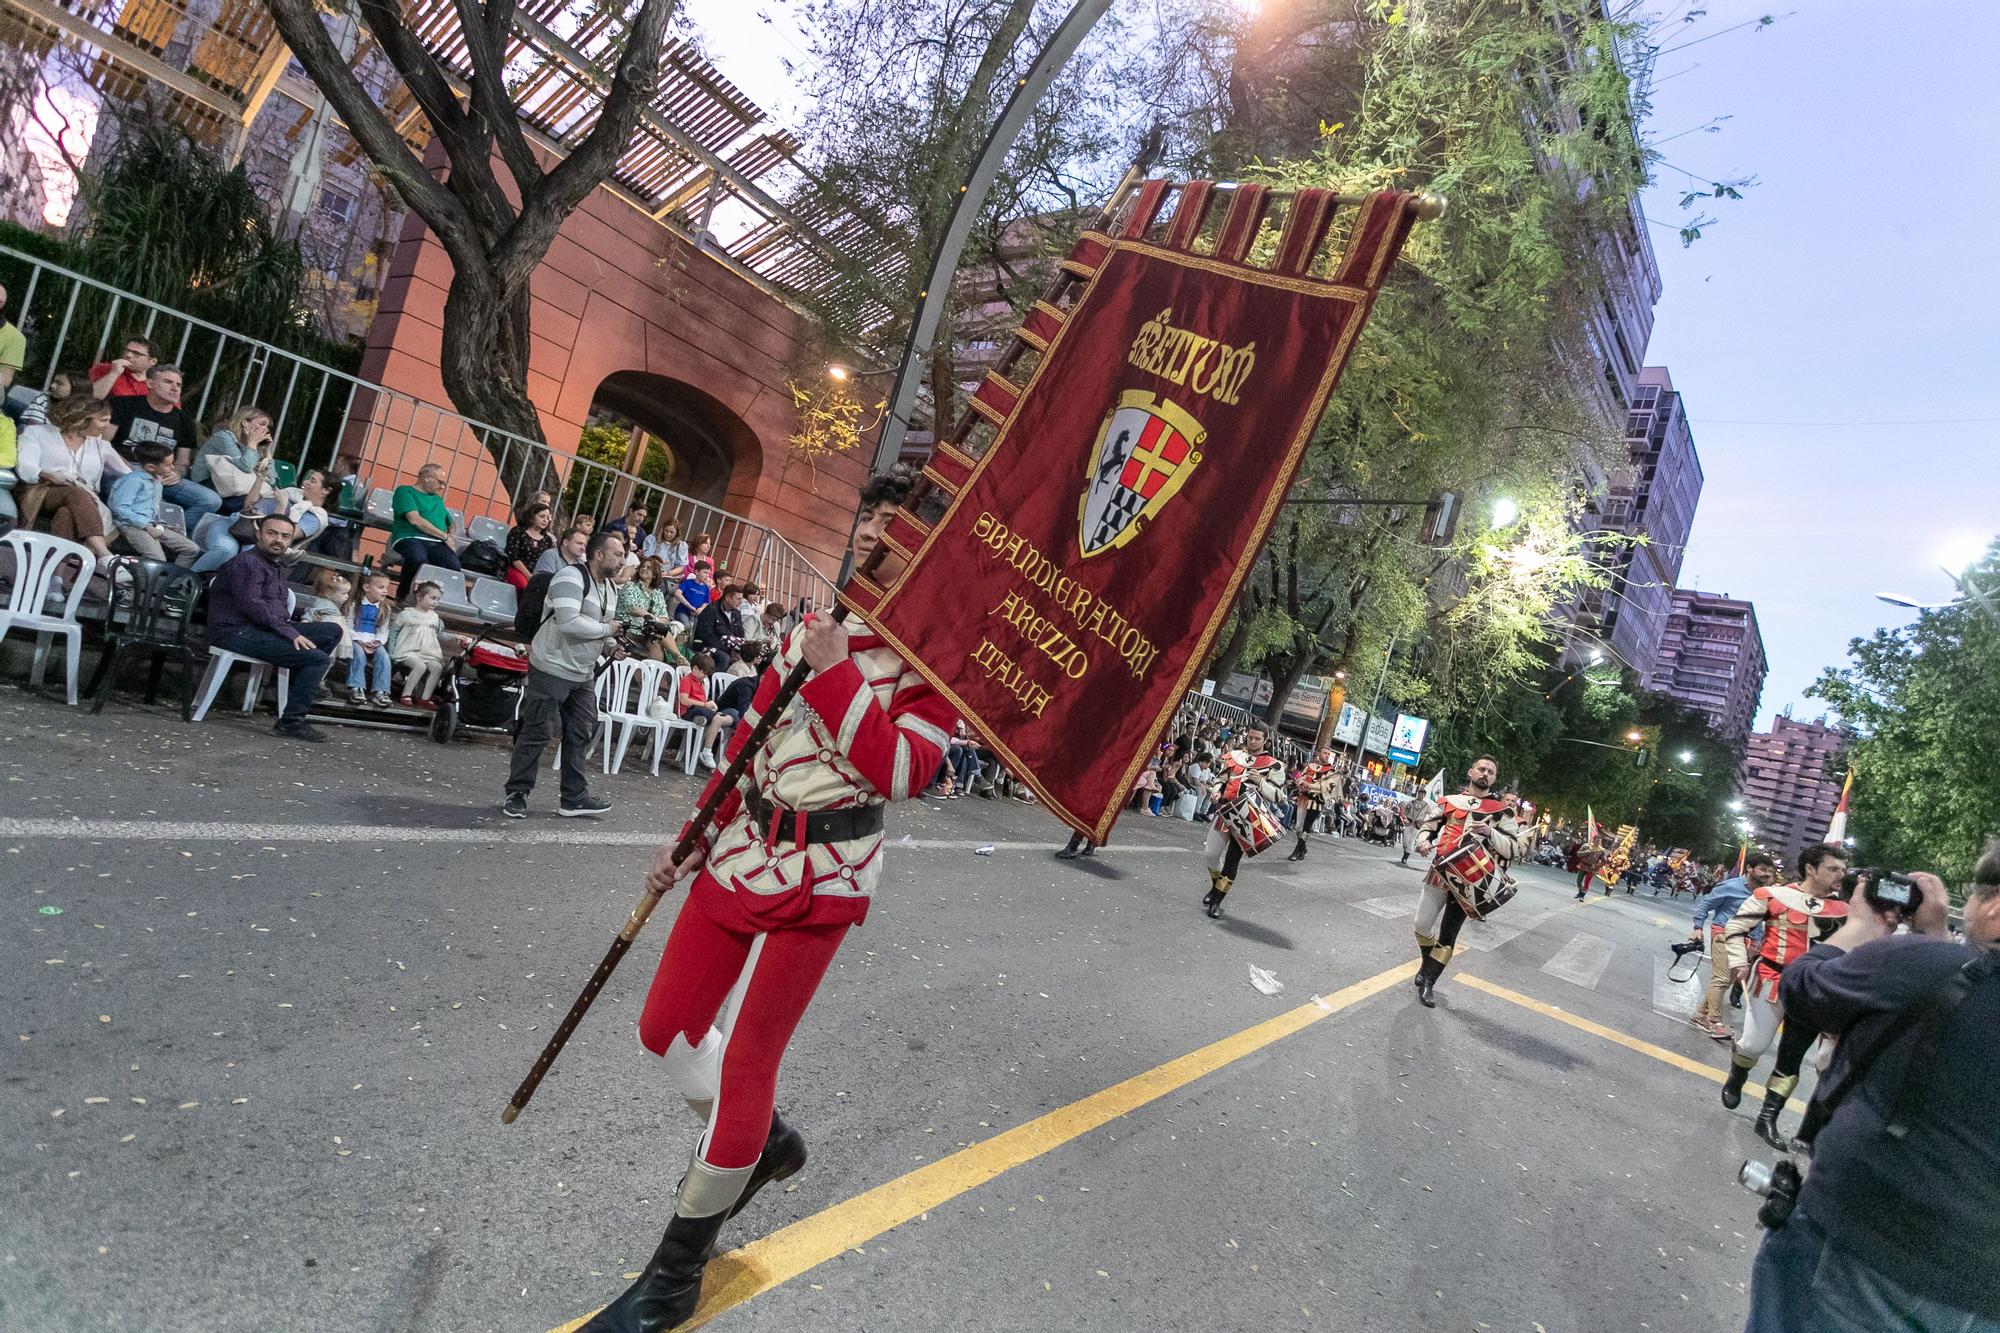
<point>799,827</point>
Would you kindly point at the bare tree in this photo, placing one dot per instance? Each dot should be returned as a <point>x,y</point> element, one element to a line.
<point>495,231</point>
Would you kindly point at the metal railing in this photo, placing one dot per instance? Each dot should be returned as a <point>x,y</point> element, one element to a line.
<point>321,413</point>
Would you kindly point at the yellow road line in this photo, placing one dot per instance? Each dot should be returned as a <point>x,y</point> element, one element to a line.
<point>735,1277</point>
<point>1660,1053</point>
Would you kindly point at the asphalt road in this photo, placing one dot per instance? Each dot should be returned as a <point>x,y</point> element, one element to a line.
<point>259,1054</point>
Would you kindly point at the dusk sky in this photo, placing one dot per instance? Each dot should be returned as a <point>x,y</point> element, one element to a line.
<point>1834,335</point>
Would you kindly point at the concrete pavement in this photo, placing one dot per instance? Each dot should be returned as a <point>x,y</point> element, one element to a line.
<point>290,987</point>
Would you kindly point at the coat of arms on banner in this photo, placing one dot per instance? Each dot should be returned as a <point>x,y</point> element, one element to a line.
<point>1146,448</point>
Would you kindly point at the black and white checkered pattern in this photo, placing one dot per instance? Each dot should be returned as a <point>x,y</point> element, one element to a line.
<point>1119,511</point>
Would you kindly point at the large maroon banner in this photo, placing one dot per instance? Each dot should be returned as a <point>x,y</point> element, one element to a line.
<point>1086,557</point>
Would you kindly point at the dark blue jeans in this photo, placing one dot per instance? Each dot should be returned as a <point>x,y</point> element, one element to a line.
<point>418,552</point>
<point>1803,1282</point>
<point>964,761</point>
<point>307,668</point>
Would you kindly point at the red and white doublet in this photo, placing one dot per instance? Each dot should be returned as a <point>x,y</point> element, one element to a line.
<point>1315,783</point>
<point>1263,775</point>
<point>1787,913</point>
<point>1263,772</point>
<point>867,732</point>
<point>1450,823</point>
<point>766,911</point>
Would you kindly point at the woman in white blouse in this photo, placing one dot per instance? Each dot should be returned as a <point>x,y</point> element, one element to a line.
<point>66,462</point>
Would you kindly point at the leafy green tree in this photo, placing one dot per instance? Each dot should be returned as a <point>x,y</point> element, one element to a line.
<point>168,221</point>
<point>1474,373</point>
<point>1925,703</point>
<point>497,209</point>
<point>903,96</point>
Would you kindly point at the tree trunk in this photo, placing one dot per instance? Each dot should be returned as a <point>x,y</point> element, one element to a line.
<point>1224,662</point>
<point>1283,685</point>
<point>484,362</point>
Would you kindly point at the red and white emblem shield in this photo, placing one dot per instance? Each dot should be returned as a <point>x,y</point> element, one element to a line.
<point>1145,450</point>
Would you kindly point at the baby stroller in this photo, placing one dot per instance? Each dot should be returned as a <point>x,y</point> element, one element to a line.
<point>481,690</point>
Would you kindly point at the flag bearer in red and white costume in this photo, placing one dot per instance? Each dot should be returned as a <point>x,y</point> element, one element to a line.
<point>1473,815</point>
<point>1243,773</point>
<point>795,856</point>
<point>1790,915</point>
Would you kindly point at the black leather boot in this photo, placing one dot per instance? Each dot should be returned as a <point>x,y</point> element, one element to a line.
<point>784,1154</point>
<point>670,1287</point>
<point>1215,897</point>
<point>1298,852</point>
<point>1732,1087</point>
<point>1427,976</point>
<point>1767,1121</point>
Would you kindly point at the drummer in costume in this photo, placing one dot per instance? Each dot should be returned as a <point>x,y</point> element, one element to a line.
<point>1247,773</point>
<point>796,853</point>
<point>1475,835</point>
<point>1789,914</point>
<point>1318,782</point>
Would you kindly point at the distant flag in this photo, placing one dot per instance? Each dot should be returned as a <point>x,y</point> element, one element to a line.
<point>1742,852</point>
<point>1590,825</point>
<point>1434,789</point>
<point>1836,832</point>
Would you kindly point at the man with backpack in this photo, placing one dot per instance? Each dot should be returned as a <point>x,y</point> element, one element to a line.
<point>571,616</point>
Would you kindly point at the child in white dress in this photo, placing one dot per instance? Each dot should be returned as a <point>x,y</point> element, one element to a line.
<point>418,645</point>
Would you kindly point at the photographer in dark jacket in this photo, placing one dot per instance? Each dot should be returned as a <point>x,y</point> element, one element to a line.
<point>718,630</point>
<point>1897,1230</point>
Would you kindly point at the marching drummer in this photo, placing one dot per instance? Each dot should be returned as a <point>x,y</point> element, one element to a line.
<point>1474,835</point>
<point>1250,781</point>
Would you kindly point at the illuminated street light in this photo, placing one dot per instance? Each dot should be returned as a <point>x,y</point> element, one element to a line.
<point>1635,736</point>
<point>1687,756</point>
<point>1505,511</point>
<point>1596,656</point>
<point>838,373</point>
<point>1960,553</point>
<point>1736,805</point>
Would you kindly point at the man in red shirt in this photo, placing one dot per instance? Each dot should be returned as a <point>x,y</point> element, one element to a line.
<point>790,864</point>
<point>125,376</point>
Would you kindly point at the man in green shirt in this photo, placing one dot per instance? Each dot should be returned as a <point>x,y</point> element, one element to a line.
<point>421,528</point>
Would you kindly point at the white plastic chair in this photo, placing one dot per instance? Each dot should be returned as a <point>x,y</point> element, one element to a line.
<point>648,677</point>
<point>378,508</point>
<point>221,662</point>
<point>173,516</point>
<point>39,560</point>
<point>612,686</point>
<point>690,732</point>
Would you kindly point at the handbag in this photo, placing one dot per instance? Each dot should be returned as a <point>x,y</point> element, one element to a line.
<point>228,480</point>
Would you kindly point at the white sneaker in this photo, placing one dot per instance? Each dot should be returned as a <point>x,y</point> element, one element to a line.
<point>707,760</point>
